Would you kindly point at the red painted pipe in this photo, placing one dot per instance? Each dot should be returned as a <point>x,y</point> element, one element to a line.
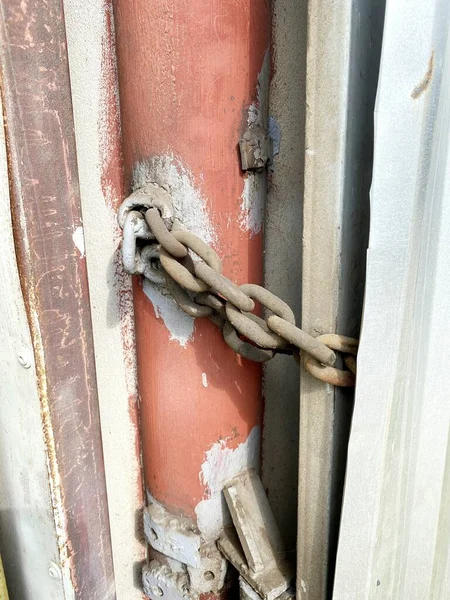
<point>188,74</point>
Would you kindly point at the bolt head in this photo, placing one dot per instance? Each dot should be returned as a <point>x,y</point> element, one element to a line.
<point>24,357</point>
<point>54,571</point>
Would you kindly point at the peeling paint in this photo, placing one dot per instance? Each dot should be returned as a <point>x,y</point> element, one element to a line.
<point>254,193</point>
<point>222,464</point>
<point>258,111</point>
<point>179,324</point>
<point>252,203</point>
<point>78,240</point>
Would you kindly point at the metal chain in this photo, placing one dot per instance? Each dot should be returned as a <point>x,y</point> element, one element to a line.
<point>154,248</point>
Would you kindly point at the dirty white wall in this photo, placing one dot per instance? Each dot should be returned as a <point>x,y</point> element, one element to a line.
<point>395,532</point>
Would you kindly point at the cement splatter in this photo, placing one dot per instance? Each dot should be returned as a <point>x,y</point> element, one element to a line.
<point>191,213</point>
<point>253,197</point>
<point>179,324</point>
<point>78,240</point>
<point>204,380</point>
<point>190,207</point>
<point>222,464</point>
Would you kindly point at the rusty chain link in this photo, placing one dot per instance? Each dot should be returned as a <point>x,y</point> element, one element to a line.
<point>155,247</point>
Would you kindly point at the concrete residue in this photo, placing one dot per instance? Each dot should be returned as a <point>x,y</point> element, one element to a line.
<point>220,465</point>
<point>191,213</point>
<point>78,240</point>
<point>204,380</point>
<point>253,197</point>
<point>252,203</point>
<point>190,207</point>
<point>179,324</point>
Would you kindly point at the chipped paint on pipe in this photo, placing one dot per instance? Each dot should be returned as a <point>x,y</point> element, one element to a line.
<point>188,74</point>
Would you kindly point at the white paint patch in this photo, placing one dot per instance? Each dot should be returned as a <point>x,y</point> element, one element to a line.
<point>190,207</point>
<point>258,112</point>
<point>253,197</point>
<point>252,203</point>
<point>78,240</point>
<point>204,380</point>
<point>179,324</point>
<point>303,584</point>
<point>222,464</point>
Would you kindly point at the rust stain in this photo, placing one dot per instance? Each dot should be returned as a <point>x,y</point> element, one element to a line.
<point>424,84</point>
<point>45,207</point>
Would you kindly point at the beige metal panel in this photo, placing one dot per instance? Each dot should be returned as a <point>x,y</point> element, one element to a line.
<point>28,539</point>
<point>395,532</point>
<point>90,38</point>
<point>343,49</point>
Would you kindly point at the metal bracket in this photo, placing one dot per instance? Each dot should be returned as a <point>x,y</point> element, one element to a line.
<point>256,149</point>
<point>202,565</point>
<point>210,577</point>
<point>160,581</point>
<point>172,535</point>
<point>254,544</point>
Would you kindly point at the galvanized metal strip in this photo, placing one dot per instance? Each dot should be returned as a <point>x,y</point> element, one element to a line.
<point>394,539</point>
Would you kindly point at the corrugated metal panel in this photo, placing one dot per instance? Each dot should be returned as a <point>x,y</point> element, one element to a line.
<point>395,532</point>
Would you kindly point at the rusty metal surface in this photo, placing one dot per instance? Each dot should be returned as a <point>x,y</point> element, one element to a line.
<point>46,213</point>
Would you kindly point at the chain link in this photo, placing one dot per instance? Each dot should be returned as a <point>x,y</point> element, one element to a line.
<point>200,289</point>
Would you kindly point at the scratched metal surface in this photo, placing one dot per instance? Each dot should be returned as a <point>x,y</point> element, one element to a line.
<point>46,214</point>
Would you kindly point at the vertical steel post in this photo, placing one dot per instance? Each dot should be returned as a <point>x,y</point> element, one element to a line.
<point>188,77</point>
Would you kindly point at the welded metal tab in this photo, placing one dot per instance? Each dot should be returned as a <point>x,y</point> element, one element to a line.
<point>210,577</point>
<point>256,149</point>
<point>160,581</point>
<point>172,535</point>
<point>254,544</point>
